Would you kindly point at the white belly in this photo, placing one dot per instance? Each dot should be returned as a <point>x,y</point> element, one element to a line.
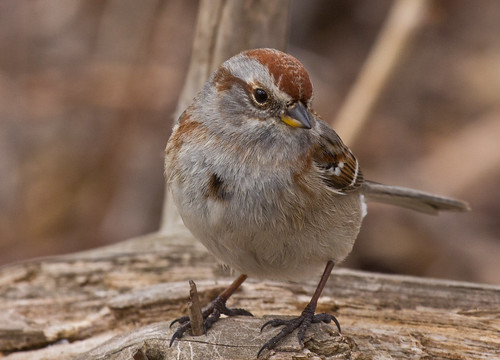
<point>258,238</point>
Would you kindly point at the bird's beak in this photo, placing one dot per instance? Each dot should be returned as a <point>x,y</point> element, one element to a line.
<point>297,115</point>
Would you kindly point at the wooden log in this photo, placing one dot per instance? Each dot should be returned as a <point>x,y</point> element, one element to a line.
<point>117,303</point>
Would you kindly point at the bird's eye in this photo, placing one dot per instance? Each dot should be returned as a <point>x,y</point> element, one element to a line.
<point>260,96</point>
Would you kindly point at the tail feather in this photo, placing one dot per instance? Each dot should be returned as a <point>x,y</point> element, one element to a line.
<point>411,199</point>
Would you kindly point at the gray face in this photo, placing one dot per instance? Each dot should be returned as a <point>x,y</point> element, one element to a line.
<point>252,103</point>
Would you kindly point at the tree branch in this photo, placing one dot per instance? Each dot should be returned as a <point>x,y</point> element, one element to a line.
<point>404,20</point>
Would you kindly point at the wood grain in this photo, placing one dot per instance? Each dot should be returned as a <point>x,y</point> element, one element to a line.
<point>114,302</point>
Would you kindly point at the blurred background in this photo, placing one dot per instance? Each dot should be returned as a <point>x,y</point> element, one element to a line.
<point>87,95</point>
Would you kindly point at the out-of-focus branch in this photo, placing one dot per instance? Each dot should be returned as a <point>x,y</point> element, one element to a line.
<point>463,160</point>
<point>403,21</point>
<point>225,28</point>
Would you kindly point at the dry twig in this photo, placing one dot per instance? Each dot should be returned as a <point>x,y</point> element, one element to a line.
<point>404,19</point>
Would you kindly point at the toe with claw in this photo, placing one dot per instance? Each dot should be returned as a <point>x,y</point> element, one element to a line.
<point>210,315</point>
<point>301,323</point>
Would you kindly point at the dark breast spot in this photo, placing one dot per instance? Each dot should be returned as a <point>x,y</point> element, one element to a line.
<point>216,189</point>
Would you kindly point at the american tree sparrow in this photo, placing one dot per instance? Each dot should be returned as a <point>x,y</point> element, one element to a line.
<point>266,185</point>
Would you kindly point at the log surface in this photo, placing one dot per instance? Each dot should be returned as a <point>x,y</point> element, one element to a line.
<point>117,303</point>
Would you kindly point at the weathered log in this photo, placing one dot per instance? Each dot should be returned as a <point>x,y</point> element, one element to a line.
<point>117,303</point>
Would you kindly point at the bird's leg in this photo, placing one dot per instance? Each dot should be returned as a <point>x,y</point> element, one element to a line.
<point>305,319</point>
<point>213,311</point>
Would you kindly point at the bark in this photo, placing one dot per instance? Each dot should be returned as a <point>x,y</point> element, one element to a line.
<point>117,303</point>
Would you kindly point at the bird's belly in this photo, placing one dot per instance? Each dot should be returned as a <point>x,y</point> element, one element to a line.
<point>263,241</point>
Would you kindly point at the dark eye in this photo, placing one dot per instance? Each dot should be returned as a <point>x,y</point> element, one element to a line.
<point>260,96</point>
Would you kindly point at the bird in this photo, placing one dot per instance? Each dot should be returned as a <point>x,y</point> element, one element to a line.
<point>267,186</point>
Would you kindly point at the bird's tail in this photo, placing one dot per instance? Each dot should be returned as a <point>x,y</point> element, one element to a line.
<point>411,199</point>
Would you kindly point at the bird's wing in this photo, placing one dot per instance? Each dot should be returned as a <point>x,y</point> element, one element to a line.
<point>337,165</point>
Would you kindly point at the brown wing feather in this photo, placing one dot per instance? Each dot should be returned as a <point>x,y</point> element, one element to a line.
<point>338,166</point>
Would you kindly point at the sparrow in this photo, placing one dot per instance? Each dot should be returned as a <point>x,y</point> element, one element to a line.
<point>268,187</point>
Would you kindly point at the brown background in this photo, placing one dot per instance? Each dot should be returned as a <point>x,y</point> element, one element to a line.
<point>88,89</point>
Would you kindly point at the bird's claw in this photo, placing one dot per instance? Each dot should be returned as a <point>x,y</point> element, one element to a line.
<point>301,323</point>
<point>210,315</point>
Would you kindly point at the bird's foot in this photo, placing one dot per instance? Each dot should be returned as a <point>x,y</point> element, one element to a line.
<point>210,315</point>
<point>301,323</point>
